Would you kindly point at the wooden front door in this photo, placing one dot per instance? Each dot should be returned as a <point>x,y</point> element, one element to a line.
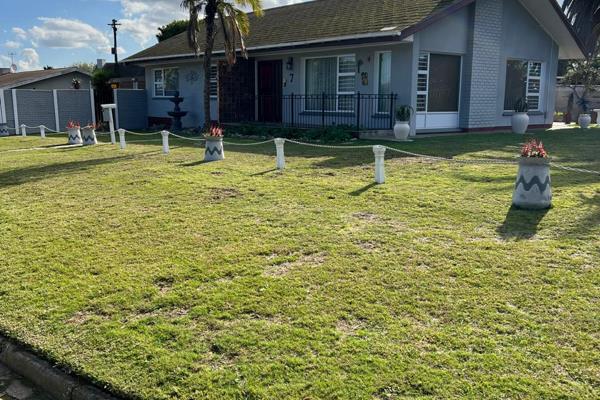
<point>269,91</point>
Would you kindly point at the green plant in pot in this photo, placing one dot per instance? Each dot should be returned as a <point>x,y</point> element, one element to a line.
<point>402,126</point>
<point>520,119</point>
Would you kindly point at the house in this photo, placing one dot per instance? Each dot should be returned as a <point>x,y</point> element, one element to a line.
<point>48,79</point>
<point>461,64</point>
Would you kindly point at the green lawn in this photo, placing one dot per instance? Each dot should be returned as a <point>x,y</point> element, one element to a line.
<point>164,277</point>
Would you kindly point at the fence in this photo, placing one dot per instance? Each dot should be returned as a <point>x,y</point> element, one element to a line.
<point>365,111</point>
<point>51,108</point>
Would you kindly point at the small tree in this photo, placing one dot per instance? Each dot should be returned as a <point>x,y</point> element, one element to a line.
<point>582,77</point>
<point>173,28</point>
<point>85,66</point>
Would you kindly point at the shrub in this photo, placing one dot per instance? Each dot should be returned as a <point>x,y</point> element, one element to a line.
<point>335,133</point>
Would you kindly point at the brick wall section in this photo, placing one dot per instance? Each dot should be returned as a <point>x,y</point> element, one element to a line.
<point>483,67</point>
<point>236,91</point>
<point>36,107</point>
<point>73,105</point>
<point>133,108</point>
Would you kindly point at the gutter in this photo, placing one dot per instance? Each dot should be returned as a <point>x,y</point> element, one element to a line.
<point>397,35</point>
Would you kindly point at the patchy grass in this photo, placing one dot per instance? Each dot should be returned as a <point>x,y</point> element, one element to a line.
<point>164,277</point>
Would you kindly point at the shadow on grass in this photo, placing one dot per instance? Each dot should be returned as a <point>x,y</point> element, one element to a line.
<point>363,189</point>
<point>15,177</point>
<point>521,224</point>
<point>195,163</point>
<point>265,172</point>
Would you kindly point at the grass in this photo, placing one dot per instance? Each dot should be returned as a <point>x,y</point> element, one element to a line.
<point>163,277</point>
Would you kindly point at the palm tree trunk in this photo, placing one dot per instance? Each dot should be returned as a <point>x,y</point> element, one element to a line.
<point>211,10</point>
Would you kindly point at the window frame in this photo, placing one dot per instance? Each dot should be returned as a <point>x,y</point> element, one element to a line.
<point>424,73</point>
<point>529,77</point>
<point>337,81</point>
<point>214,81</point>
<point>154,82</point>
<point>377,77</point>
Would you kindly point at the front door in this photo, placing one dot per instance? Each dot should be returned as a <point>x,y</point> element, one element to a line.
<point>438,91</point>
<point>269,91</point>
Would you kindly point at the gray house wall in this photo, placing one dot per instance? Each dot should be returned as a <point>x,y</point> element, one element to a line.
<point>191,88</point>
<point>60,82</point>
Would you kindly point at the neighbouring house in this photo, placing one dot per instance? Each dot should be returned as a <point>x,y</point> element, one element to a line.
<point>460,64</point>
<point>48,79</point>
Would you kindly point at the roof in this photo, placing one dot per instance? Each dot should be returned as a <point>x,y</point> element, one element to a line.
<point>319,21</point>
<point>17,79</point>
<point>314,21</point>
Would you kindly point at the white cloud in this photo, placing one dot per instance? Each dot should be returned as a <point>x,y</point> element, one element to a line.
<point>20,33</point>
<point>11,44</point>
<point>27,60</point>
<point>62,33</point>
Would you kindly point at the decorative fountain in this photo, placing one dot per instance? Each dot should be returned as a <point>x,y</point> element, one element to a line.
<point>177,114</point>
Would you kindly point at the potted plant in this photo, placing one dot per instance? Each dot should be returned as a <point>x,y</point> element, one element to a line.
<point>585,118</point>
<point>533,189</point>
<point>214,144</point>
<point>402,126</point>
<point>520,119</point>
<point>88,135</point>
<point>74,132</point>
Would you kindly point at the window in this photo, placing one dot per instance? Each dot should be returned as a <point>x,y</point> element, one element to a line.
<point>422,82</point>
<point>214,81</point>
<point>384,81</point>
<point>166,82</point>
<point>333,76</point>
<point>523,80</point>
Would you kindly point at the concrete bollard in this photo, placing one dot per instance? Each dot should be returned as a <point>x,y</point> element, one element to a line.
<point>379,152</point>
<point>165,141</point>
<point>122,139</point>
<point>42,131</point>
<point>23,130</point>
<point>279,142</point>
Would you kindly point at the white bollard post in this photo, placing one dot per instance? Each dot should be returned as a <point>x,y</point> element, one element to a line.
<point>165,141</point>
<point>379,152</point>
<point>122,139</point>
<point>111,124</point>
<point>42,131</point>
<point>23,130</point>
<point>279,142</point>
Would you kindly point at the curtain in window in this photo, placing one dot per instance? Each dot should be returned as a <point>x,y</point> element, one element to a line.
<point>321,76</point>
<point>385,80</point>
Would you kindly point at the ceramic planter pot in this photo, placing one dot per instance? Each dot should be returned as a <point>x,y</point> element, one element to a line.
<point>520,122</point>
<point>214,149</point>
<point>584,121</point>
<point>533,187</point>
<point>402,130</point>
<point>74,136</point>
<point>4,130</point>
<point>88,135</point>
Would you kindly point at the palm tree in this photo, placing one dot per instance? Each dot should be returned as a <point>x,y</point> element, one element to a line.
<point>223,16</point>
<point>585,17</point>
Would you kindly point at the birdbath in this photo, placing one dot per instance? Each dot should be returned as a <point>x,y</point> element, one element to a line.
<point>177,114</point>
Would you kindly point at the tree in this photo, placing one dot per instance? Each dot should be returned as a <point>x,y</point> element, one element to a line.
<point>173,28</point>
<point>585,18</point>
<point>84,66</point>
<point>219,16</point>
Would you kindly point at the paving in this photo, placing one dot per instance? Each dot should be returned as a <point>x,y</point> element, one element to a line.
<point>15,387</point>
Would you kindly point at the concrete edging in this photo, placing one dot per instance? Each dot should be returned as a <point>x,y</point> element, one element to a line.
<point>57,383</point>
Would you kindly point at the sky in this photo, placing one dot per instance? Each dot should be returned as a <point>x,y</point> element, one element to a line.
<point>60,33</point>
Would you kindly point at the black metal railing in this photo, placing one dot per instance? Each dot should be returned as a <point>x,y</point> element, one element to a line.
<point>362,111</point>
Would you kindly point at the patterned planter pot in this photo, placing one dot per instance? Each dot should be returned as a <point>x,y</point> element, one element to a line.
<point>74,136</point>
<point>214,149</point>
<point>533,187</point>
<point>4,130</point>
<point>584,121</point>
<point>89,136</point>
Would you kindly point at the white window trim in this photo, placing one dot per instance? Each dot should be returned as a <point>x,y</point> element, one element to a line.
<point>337,82</point>
<point>216,81</point>
<point>377,68</point>
<point>426,91</point>
<point>528,94</point>
<point>163,96</point>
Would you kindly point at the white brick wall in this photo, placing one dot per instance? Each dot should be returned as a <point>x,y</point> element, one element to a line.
<point>484,68</point>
